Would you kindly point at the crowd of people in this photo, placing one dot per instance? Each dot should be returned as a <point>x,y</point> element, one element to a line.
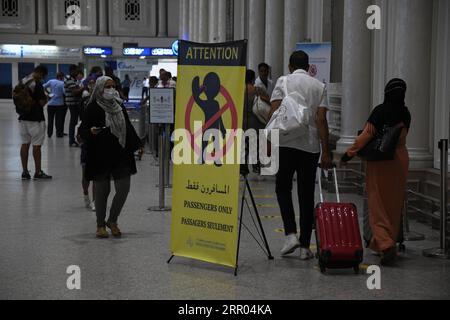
<point>109,143</point>
<point>107,139</point>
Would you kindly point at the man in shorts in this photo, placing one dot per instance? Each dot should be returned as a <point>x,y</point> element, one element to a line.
<point>32,125</point>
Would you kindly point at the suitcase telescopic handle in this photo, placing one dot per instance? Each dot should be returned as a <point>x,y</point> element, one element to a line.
<point>319,176</point>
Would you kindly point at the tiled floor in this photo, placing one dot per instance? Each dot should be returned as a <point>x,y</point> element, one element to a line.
<point>44,228</point>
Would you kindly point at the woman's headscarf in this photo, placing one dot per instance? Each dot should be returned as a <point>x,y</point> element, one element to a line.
<point>393,110</point>
<point>115,120</point>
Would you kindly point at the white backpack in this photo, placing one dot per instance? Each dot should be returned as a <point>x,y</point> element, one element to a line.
<point>292,119</point>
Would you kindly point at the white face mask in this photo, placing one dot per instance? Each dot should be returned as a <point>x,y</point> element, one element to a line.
<point>109,94</point>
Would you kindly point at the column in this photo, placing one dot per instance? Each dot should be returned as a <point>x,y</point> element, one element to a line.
<point>356,72</point>
<point>196,20</point>
<point>240,19</point>
<point>442,76</point>
<point>294,27</point>
<point>274,36</point>
<point>162,18</point>
<point>203,21</point>
<point>213,18</point>
<point>256,38</point>
<point>411,61</point>
<point>191,20</point>
<point>315,20</point>
<point>184,20</point>
<point>222,21</point>
<point>102,18</point>
<point>42,17</point>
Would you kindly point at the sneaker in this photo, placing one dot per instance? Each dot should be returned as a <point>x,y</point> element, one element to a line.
<point>114,227</point>
<point>290,245</point>
<point>74,145</point>
<point>102,233</point>
<point>306,254</point>
<point>93,206</point>
<point>26,175</point>
<point>87,202</point>
<point>42,176</point>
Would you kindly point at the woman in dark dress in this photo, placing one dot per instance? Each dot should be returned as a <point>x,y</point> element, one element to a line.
<point>111,142</point>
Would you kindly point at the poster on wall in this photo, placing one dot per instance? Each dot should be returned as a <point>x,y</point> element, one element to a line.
<point>137,70</point>
<point>210,96</point>
<point>319,59</point>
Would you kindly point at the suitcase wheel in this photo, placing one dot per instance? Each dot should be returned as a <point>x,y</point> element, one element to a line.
<point>402,248</point>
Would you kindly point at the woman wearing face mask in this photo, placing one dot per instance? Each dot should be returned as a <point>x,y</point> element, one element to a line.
<point>111,142</point>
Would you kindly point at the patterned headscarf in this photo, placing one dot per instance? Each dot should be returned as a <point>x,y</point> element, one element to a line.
<point>115,119</point>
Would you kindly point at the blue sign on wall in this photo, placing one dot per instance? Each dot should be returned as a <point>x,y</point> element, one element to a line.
<point>98,51</point>
<point>149,52</point>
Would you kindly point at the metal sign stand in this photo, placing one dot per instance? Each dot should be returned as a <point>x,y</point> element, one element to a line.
<point>442,252</point>
<point>259,227</point>
<point>162,196</point>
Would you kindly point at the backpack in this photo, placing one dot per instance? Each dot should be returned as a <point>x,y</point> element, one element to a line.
<point>292,119</point>
<point>22,98</point>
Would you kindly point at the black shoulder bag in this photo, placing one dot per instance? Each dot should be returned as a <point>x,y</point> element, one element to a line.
<point>383,145</point>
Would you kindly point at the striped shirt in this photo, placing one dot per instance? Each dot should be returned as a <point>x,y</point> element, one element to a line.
<point>70,85</point>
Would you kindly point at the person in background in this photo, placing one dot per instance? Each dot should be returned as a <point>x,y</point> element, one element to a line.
<point>111,142</point>
<point>251,121</point>
<point>145,88</point>
<point>95,73</point>
<point>85,183</point>
<point>73,92</point>
<point>126,85</point>
<point>386,180</point>
<point>56,109</point>
<point>80,78</point>
<point>263,80</point>
<point>109,72</point>
<point>153,82</point>
<point>165,81</point>
<point>32,125</point>
<point>301,156</point>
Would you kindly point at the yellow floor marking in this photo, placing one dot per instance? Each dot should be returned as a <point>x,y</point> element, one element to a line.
<point>267,206</point>
<point>264,197</point>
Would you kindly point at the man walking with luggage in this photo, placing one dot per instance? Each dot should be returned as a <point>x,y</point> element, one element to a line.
<point>32,122</point>
<point>301,156</point>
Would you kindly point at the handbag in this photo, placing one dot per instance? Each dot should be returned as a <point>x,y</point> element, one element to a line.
<point>261,110</point>
<point>292,119</point>
<point>383,146</point>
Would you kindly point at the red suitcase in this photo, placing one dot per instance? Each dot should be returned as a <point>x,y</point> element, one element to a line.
<point>338,236</point>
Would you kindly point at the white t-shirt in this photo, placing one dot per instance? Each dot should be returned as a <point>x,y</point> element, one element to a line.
<point>315,94</point>
<point>169,84</point>
<point>268,88</point>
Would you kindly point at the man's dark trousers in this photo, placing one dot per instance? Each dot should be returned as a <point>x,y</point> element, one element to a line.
<point>305,165</point>
<point>57,117</point>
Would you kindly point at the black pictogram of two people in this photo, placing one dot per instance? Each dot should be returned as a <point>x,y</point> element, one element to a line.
<point>210,107</point>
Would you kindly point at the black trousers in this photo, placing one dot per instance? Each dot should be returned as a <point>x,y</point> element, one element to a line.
<point>102,189</point>
<point>74,117</point>
<point>56,117</point>
<point>305,165</point>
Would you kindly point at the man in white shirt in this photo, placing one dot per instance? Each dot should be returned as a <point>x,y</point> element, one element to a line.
<point>145,88</point>
<point>166,81</point>
<point>263,82</point>
<point>301,156</point>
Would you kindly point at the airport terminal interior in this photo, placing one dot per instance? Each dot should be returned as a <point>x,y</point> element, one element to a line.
<point>46,227</point>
